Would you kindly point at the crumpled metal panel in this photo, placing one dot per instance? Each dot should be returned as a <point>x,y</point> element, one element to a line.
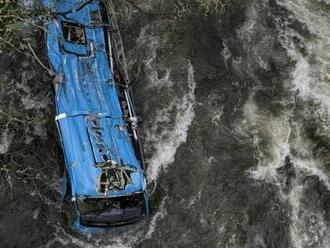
<point>88,108</point>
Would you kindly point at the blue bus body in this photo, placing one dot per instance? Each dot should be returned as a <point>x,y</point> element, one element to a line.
<point>104,175</point>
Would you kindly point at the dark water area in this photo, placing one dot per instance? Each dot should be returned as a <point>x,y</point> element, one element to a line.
<point>235,110</point>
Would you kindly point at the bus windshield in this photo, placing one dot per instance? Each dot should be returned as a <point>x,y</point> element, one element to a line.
<point>111,211</point>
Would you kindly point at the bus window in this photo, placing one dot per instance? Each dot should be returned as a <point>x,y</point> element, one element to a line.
<point>74,33</point>
<point>95,16</point>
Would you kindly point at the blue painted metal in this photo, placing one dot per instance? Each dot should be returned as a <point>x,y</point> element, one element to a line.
<point>90,118</point>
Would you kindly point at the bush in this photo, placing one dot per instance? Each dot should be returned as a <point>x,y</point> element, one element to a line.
<point>17,25</point>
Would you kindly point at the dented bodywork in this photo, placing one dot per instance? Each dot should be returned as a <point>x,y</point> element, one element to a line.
<point>95,114</point>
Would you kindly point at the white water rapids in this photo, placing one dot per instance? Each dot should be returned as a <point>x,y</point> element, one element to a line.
<point>309,83</point>
<point>235,122</point>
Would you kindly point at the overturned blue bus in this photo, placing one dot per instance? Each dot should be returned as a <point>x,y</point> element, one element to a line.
<point>104,173</point>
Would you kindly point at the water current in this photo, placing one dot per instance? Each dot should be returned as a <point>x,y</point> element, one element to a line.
<point>235,111</point>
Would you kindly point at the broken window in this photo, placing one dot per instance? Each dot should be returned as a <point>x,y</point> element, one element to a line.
<point>114,177</point>
<point>95,16</point>
<point>73,32</point>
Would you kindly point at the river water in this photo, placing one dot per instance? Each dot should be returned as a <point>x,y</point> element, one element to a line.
<point>235,109</point>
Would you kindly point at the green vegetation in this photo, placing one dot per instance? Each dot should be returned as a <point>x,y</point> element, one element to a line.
<point>17,26</point>
<point>213,6</point>
<point>172,10</point>
<point>206,7</point>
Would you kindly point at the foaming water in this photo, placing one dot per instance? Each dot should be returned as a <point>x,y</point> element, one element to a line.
<point>173,99</point>
<point>278,136</point>
<point>5,141</point>
<point>149,44</point>
<point>108,239</point>
<point>270,136</point>
<point>168,140</point>
<point>312,53</point>
<point>277,57</point>
<point>160,214</point>
<point>308,227</point>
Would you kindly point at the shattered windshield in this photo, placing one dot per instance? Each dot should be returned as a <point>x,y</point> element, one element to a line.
<point>89,204</point>
<point>111,211</point>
